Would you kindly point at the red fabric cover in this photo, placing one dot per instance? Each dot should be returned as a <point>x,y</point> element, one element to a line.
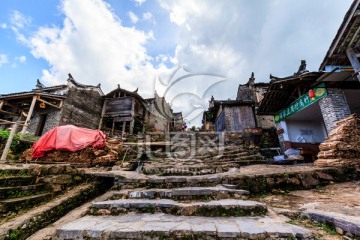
<point>69,138</point>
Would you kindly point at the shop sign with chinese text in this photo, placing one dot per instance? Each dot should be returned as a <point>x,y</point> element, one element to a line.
<point>301,103</point>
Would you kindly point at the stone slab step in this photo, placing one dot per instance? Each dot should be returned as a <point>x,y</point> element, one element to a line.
<point>218,192</point>
<point>216,208</point>
<point>15,204</point>
<point>13,181</point>
<point>12,192</point>
<point>348,224</point>
<point>163,226</point>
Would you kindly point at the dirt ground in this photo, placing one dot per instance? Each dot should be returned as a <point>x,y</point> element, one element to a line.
<point>340,198</point>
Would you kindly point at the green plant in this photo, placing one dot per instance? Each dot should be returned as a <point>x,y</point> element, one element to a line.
<point>326,227</point>
<point>20,143</point>
<point>14,235</point>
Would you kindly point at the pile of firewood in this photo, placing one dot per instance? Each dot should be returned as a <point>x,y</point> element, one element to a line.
<point>89,156</point>
<point>342,146</point>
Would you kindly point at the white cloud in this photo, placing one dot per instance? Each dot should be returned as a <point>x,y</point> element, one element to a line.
<point>133,17</point>
<point>235,38</point>
<point>95,48</point>
<point>3,25</point>
<point>22,59</point>
<point>224,38</point>
<point>147,16</point>
<point>3,59</point>
<point>139,2</point>
<point>19,20</point>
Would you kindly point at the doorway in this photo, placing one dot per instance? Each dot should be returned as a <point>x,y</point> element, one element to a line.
<point>41,125</point>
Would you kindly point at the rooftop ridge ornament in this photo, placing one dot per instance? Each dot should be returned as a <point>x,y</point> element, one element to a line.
<point>39,85</point>
<point>302,68</point>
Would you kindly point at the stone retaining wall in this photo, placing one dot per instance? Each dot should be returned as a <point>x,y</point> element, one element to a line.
<point>256,184</point>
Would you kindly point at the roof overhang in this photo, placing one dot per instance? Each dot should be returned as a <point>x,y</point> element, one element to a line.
<point>347,37</point>
<point>283,91</point>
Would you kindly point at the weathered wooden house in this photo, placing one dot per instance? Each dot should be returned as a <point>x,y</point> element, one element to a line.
<point>123,112</point>
<point>127,112</point>
<point>44,108</point>
<point>240,114</point>
<point>306,105</point>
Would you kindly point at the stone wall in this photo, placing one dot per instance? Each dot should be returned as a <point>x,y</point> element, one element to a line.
<point>265,121</point>
<point>334,107</point>
<point>159,115</point>
<point>281,137</point>
<point>82,108</point>
<point>255,183</point>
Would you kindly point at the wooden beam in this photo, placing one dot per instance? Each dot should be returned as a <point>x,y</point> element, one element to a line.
<point>11,105</point>
<point>9,141</point>
<point>8,113</point>
<point>1,104</point>
<point>32,106</point>
<point>123,129</point>
<point>354,61</point>
<point>51,97</point>
<point>50,104</point>
<point>102,114</point>
<point>10,122</point>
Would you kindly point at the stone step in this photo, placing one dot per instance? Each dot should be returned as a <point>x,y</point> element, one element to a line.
<point>216,208</point>
<point>16,204</point>
<point>24,224</point>
<point>200,151</point>
<point>183,171</point>
<point>14,181</point>
<point>13,192</point>
<point>21,171</point>
<point>213,193</point>
<point>178,169</point>
<point>163,226</point>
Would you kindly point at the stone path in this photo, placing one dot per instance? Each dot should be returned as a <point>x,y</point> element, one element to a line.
<point>146,226</point>
<point>217,192</point>
<point>176,218</point>
<point>225,207</point>
<point>336,204</point>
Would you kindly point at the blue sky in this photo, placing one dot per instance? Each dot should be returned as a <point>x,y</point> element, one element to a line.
<point>139,43</point>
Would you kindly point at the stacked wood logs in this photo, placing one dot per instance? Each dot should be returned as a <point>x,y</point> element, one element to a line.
<point>342,146</point>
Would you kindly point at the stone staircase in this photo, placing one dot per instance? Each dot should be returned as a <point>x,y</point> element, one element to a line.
<point>33,196</point>
<point>20,191</point>
<point>218,212</point>
<point>199,154</point>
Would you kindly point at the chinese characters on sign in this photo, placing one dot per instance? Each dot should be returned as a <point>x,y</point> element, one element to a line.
<point>301,103</point>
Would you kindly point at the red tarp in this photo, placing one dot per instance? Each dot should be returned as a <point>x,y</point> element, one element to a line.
<point>69,138</point>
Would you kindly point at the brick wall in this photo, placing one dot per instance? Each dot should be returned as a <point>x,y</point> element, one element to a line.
<point>334,107</point>
<point>52,119</point>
